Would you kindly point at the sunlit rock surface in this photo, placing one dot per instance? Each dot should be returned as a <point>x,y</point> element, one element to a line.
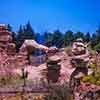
<point>11,63</point>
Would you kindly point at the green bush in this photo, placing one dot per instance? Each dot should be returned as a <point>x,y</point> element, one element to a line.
<point>60,93</point>
<point>97,47</point>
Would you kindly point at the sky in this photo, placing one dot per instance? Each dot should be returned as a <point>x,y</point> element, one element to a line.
<point>49,15</point>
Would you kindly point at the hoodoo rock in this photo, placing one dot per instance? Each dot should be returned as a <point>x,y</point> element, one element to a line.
<point>58,67</point>
<point>8,57</point>
<point>6,40</point>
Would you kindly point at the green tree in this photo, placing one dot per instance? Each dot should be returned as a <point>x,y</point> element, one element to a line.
<point>94,41</point>
<point>79,35</point>
<point>9,27</point>
<point>48,39</point>
<point>25,32</point>
<point>20,38</point>
<point>36,36</point>
<point>87,37</point>
<point>28,32</point>
<point>57,38</point>
<point>14,37</point>
<point>98,34</point>
<point>68,38</point>
<point>20,33</point>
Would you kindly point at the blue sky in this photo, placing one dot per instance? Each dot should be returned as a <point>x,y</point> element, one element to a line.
<point>49,15</point>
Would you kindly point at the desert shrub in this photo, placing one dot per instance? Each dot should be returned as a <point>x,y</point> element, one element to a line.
<point>97,47</point>
<point>10,80</point>
<point>93,78</point>
<point>60,93</point>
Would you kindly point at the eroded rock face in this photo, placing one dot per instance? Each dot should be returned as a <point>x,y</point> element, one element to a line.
<point>40,73</point>
<point>9,59</point>
<point>11,62</point>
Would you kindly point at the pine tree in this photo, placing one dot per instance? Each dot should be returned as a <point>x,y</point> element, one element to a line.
<point>57,38</point>
<point>25,32</point>
<point>48,39</point>
<point>19,37</point>
<point>9,27</point>
<point>94,41</point>
<point>79,35</point>
<point>28,32</point>
<point>87,37</point>
<point>20,33</point>
<point>68,38</point>
<point>98,34</point>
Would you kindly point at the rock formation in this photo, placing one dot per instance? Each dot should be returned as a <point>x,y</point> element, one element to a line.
<point>9,58</point>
